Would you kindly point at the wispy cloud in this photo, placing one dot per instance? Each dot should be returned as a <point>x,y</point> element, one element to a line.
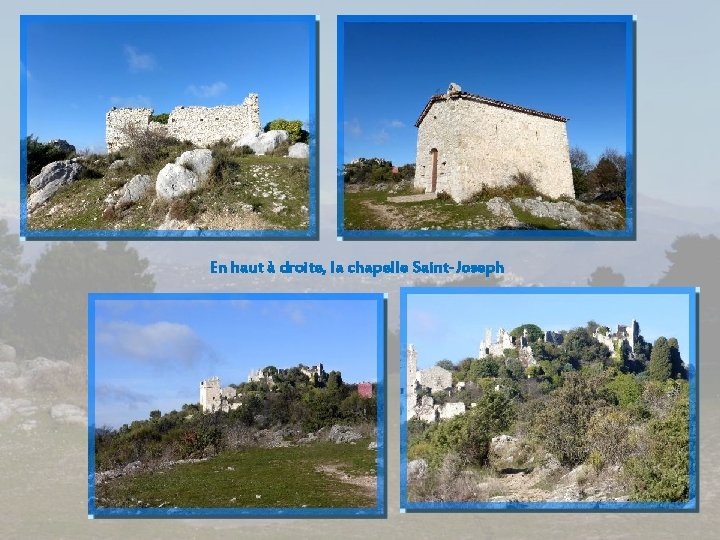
<point>353,128</point>
<point>130,101</point>
<point>139,61</point>
<point>207,90</point>
<point>380,137</point>
<point>160,343</point>
<point>112,393</point>
<point>396,124</point>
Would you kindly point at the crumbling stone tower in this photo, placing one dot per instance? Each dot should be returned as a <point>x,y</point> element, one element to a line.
<point>210,394</point>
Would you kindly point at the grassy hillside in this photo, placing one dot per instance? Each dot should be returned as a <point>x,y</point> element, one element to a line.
<point>242,192</point>
<point>323,475</point>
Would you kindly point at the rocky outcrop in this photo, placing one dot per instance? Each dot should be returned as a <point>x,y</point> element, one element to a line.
<point>262,143</point>
<point>343,434</point>
<point>185,175</point>
<point>132,192</point>
<point>299,150</point>
<point>561,211</point>
<point>501,208</point>
<point>52,177</point>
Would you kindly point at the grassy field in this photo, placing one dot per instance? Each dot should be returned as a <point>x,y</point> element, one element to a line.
<point>255,477</point>
<point>245,194</point>
<point>370,210</point>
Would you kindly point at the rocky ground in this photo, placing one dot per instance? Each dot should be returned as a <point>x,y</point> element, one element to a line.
<point>385,207</point>
<point>513,475</point>
<point>223,188</point>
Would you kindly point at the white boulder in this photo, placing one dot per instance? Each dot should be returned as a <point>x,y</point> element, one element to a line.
<point>175,180</point>
<point>299,150</point>
<point>52,177</point>
<point>262,143</point>
<point>132,191</point>
<point>199,161</point>
<point>64,171</point>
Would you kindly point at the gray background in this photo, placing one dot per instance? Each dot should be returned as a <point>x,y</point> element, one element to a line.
<point>43,469</point>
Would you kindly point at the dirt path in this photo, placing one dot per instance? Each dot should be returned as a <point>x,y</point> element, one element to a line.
<point>368,484</point>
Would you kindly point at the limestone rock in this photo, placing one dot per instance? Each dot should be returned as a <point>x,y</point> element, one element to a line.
<point>176,225</point>
<point>52,177</point>
<point>68,414</point>
<point>562,211</point>
<point>7,353</point>
<point>417,468</point>
<point>343,434</point>
<point>132,467</point>
<point>262,143</point>
<point>8,370</point>
<point>502,441</point>
<point>198,161</point>
<point>65,171</point>
<point>372,445</point>
<point>299,150</point>
<point>501,208</point>
<point>175,180</point>
<point>131,192</point>
<point>42,365</point>
<point>115,165</point>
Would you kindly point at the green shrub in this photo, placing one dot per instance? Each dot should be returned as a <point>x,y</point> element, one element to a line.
<point>293,127</point>
<point>562,425</point>
<point>161,118</point>
<point>662,473</point>
<point>40,154</point>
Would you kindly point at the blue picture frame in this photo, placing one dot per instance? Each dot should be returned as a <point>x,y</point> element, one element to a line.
<point>310,233</point>
<point>380,508</point>
<point>629,230</point>
<point>692,503</point>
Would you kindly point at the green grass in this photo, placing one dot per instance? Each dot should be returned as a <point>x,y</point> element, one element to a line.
<point>283,477</point>
<point>257,181</point>
<point>371,210</point>
<point>435,213</point>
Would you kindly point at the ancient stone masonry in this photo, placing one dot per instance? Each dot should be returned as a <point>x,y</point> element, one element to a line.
<point>433,379</point>
<point>202,126</point>
<point>489,348</point>
<point>466,141</point>
<point>260,375</point>
<point>626,336</point>
<point>213,398</point>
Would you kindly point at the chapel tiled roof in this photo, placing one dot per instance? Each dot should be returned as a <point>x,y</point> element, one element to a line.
<point>488,101</point>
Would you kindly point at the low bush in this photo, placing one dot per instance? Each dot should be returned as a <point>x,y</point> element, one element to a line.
<point>40,154</point>
<point>293,127</point>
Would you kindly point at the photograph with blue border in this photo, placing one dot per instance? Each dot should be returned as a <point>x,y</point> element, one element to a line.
<point>168,127</point>
<point>549,399</point>
<point>236,405</point>
<point>487,127</point>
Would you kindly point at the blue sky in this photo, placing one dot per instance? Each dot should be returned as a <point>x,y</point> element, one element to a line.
<point>152,354</point>
<point>453,325</point>
<point>78,68</point>
<point>574,70</point>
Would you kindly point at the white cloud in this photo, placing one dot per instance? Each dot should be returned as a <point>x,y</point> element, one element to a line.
<point>353,127</point>
<point>396,124</point>
<point>208,90</point>
<point>160,343</point>
<point>138,61</point>
<point>380,137</point>
<point>112,393</point>
<point>130,101</point>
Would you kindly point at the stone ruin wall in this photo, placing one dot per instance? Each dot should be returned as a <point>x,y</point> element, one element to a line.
<point>480,144</point>
<point>202,126</point>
